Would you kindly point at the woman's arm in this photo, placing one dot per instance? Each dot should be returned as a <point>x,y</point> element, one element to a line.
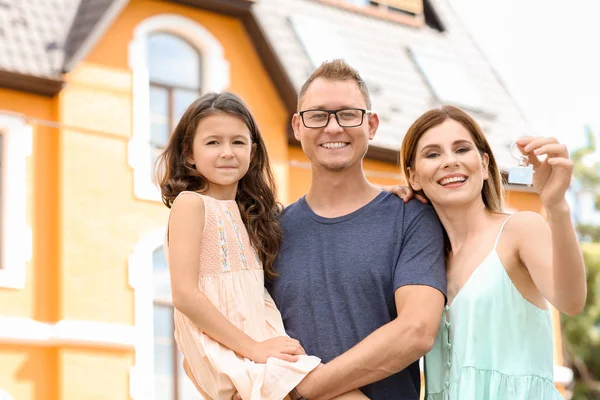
<point>551,251</point>
<point>551,254</point>
<point>186,225</point>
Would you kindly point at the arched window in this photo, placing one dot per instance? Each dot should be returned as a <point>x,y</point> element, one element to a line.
<point>173,60</point>
<point>174,68</point>
<point>170,381</point>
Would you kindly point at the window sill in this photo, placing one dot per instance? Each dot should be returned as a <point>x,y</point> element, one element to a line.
<point>372,11</point>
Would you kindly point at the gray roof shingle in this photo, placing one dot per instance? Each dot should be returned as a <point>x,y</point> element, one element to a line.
<point>32,33</point>
<point>379,49</point>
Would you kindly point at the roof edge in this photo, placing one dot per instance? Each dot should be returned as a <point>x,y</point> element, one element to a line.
<point>30,84</point>
<point>230,7</point>
<point>107,19</point>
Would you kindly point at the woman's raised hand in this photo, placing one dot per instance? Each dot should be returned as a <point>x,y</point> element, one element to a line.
<point>553,170</point>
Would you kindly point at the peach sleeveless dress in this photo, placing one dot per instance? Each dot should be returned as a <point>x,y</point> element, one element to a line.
<point>231,276</point>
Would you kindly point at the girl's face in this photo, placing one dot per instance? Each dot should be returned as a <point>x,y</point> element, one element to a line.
<point>448,166</point>
<point>221,151</point>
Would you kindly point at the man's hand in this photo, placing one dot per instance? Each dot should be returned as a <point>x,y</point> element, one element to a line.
<point>405,193</point>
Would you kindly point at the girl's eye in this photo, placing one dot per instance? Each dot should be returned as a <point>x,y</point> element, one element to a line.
<point>211,142</point>
<point>240,142</point>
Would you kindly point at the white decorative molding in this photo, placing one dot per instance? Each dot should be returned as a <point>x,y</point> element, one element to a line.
<point>215,78</point>
<point>140,279</point>
<point>16,234</point>
<point>5,396</point>
<point>25,331</point>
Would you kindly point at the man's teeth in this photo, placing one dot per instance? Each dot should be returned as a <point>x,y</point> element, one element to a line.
<point>334,145</point>
<point>452,180</point>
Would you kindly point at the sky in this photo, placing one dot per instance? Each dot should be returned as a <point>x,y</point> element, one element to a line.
<point>545,53</point>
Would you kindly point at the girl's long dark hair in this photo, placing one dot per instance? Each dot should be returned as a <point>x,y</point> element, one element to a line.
<point>256,195</point>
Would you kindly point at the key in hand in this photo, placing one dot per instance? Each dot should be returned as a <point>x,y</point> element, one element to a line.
<point>521,174</point>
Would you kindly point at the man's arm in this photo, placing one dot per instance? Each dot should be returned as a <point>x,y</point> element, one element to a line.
<point>388,350</point>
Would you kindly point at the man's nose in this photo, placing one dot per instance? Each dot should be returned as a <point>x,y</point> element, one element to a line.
<point>332,125</point>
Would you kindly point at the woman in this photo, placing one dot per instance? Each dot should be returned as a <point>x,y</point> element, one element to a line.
<point>495,339</point>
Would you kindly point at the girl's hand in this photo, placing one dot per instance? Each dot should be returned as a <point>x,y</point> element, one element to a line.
<point>552,175</point>
<point>405,193</point>
<point>281,347</point>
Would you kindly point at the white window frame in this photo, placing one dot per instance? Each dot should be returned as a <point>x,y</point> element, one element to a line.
<point>140,279</point>
<point>215,77</point>
<point>16,234</point>
<point>4,395</point>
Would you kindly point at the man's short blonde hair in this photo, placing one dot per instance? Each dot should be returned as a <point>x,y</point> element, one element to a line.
<point>336,70</point>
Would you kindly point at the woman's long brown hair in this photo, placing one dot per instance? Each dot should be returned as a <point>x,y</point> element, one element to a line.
<point>256,196</point>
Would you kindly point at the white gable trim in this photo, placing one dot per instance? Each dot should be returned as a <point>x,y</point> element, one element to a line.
<point>16,234</point>
<point>140,279</point>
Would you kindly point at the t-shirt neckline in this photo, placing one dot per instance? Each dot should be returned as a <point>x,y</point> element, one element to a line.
<point>324,220</point>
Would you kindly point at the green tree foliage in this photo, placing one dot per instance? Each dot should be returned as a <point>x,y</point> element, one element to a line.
<point>582,333</point>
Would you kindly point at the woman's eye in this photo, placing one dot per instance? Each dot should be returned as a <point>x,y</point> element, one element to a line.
<point>463,150</point>
<point>431,155</point>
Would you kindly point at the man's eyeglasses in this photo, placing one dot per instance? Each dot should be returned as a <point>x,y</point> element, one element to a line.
<point>346,117</point>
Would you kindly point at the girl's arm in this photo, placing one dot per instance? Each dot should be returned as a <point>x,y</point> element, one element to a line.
<point>551,251</point>
<point>186,225</point>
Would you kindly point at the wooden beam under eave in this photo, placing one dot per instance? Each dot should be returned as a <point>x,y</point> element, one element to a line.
<point>30,84</point>
<point>235,8</point>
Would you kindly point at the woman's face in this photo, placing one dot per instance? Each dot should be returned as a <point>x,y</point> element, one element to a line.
<point>448,166</point>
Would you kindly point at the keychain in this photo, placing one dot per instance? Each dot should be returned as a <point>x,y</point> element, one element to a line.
<point>521,174</point>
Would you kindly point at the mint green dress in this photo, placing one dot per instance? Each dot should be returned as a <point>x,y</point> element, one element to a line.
<point>492,344</point>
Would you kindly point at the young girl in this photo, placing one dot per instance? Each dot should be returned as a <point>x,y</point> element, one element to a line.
<point>223,230</point>
<point>495,339</point>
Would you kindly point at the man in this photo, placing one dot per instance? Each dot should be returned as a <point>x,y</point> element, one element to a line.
<point>361,273</point>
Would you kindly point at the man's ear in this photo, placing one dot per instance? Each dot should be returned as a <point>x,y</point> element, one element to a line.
<point>296,121</point>
<point>413,180</point>
<point>485,164</point>
<point>373,125</point>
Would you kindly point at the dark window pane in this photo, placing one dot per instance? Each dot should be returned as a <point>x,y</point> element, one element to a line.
<point>164,384</point>
<point>159,117</point>
<point>161,279</point>
<point>172,61</point>
<point>182,99</point>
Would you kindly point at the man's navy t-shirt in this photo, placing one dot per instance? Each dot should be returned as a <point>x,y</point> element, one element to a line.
<point>337,277</point>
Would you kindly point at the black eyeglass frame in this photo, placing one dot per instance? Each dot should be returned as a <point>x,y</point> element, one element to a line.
<point>337,119</point>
